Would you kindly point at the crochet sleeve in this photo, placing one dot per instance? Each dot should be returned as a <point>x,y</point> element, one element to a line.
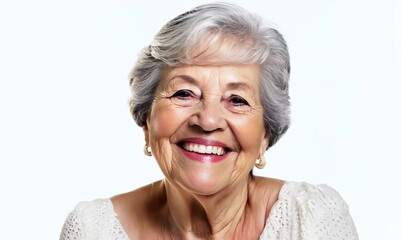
<point>72,228</point>
<point>304,211</point>
<point>324,214</point>
<point>93,220</point>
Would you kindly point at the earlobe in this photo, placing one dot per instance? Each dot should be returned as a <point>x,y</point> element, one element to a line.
<point>261,162</point>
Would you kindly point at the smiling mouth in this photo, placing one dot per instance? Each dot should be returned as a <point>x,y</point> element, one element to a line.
<point>204,149</point>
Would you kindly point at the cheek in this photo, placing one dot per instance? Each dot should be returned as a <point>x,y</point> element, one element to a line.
<point>164,120</point>
<point>249,131</point>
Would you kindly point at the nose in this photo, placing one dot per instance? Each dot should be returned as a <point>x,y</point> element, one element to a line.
<point>209,116</point>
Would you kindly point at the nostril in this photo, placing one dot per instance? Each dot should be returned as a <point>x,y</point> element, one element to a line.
<point>208,119</point>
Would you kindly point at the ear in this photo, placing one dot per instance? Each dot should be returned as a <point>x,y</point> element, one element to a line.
<point>145,129</point>
<point>265,142</point>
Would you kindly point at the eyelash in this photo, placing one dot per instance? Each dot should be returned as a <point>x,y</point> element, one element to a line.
<point>234,99</point>
<point>184,97</point>
<point>187,98</point>
<point>179,94</point>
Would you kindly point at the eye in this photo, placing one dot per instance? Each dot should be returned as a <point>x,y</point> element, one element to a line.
<point>237,104</point>
<point>238,101</point>
<point>182,94</point>
<point>184,97</point>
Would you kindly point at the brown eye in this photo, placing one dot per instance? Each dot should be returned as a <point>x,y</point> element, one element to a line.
<point>237,104</point>
<point>184,97</point>
<point>238,101</point>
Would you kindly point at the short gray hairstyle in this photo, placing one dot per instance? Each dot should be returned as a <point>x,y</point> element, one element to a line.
<point>252,42</point>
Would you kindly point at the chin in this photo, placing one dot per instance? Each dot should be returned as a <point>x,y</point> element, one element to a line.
<point>204,184</point>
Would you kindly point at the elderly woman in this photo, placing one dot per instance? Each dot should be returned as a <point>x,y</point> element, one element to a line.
<point>211,94</point>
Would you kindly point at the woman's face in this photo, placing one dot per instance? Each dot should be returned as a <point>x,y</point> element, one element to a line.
<point>206,125</point>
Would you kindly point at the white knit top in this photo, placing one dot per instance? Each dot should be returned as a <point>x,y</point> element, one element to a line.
<point>302,211</point>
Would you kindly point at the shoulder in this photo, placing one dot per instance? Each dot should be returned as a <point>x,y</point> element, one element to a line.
<point>92,220</point>
<point>265,191</point>
<point>311,211</point>
<point>90,208</point>
<point>140,208</point>
<point>314,201</point>
<point>303,193</point>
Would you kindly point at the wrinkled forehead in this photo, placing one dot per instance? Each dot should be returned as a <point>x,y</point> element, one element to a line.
<point>245,77</point>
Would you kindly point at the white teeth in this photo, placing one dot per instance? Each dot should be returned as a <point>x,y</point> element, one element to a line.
<point>204,149</point>
<point>209,149</point>
<point>215,150</point>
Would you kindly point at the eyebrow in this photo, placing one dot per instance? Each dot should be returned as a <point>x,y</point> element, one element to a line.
<point>230,85</point>
<point>186,78</point>
<point>238,85</point>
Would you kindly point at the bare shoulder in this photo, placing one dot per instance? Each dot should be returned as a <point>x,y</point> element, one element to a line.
<point>138,196</point>
<point>135,209</point>
<point>265,191</point>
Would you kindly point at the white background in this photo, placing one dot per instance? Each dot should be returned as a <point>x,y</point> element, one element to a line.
<point>66,134</point>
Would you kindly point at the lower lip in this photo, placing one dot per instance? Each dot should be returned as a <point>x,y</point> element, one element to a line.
<point>204,158</point>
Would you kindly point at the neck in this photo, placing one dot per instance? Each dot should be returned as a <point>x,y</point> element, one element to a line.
<point>216,216</point>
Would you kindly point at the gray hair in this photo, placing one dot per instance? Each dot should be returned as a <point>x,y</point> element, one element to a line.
<point>177,43</point>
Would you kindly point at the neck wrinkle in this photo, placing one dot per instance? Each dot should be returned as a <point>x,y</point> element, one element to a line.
<point>194,216</point>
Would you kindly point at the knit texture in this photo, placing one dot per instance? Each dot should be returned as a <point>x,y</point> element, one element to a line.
<point>302,212</point>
